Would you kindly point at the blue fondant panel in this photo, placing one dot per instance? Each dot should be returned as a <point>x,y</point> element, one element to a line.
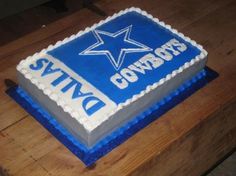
<point>97,55</point>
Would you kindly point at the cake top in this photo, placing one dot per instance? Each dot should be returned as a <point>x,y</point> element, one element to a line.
<point>97,72</point>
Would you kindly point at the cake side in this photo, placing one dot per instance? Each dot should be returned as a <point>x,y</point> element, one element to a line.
<point>64,118</point>
<point>44,71</point>
<point>94,128</point>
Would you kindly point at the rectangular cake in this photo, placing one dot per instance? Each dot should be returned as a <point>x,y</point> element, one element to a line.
<point>100,78</point>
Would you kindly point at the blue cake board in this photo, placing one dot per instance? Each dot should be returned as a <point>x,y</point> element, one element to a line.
<point>90,155</point>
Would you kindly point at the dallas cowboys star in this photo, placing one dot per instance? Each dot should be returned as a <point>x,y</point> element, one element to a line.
<point>115,46</point>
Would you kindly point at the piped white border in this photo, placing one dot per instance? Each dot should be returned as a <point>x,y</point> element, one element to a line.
<point>88,125</point>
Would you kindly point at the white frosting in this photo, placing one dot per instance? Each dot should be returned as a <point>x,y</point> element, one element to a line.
<point>88,124</point>
<point>73,107</point>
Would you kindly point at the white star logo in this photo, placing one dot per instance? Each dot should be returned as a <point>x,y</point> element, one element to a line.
<point>115,46</point>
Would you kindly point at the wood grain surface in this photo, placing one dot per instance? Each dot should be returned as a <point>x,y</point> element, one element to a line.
<point>187,140</point>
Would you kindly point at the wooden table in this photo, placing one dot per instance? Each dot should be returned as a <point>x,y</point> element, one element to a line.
<point>187,140</point>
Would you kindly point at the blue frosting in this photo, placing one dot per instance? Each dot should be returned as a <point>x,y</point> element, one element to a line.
<point>83,57</point>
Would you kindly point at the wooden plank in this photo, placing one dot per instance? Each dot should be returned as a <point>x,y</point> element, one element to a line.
<point>186,16</point>
<point>194,153</point>
<point>170,144</point>
<point>13,157</point>
<point>10,113</point>
<point>33,169</point>
<point>33,137</point>
<point>62,162</point>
